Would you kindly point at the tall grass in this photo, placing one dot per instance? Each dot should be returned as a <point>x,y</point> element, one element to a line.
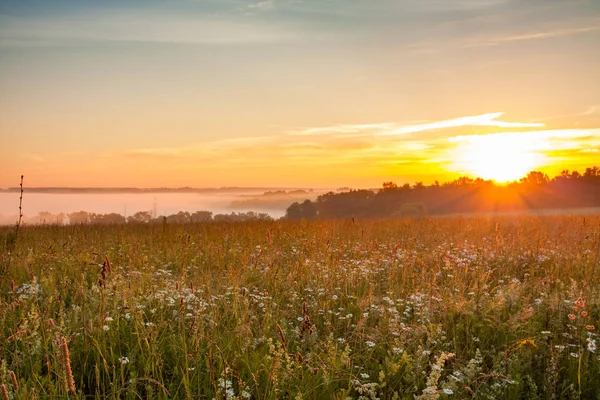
<point>482,308</point>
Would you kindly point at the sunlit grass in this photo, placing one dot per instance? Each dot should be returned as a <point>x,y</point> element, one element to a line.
<point>449,307</point>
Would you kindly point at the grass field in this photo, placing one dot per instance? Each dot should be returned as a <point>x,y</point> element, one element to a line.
<point>484,308</point>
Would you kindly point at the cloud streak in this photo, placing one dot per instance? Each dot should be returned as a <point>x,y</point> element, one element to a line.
<point>397,128</point>
<point>125,26</point>
<point>546,34</point>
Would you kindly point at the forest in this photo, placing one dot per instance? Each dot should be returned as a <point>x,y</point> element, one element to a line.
<point>536,191</point>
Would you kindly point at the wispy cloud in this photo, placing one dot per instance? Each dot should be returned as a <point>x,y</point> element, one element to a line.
<point>398,128</point>
<point>344,128</point>
<point>592,111</point>
<point>164,152</point>
<point>477,120</point>
<point>533,35</point>
<point>262,5</point>
<point>124,26</point>
<point>549,34</point>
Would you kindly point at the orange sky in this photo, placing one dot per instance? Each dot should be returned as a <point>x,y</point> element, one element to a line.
<point>295,93</point>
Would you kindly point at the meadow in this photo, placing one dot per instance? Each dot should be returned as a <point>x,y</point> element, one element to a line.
<point>448,308</point>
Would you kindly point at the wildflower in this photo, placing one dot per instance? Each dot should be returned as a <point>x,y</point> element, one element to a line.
<point>225,383</point>
<point>591,346</point>
<point>124,360</point>
<point>448,391</point>
<point>127,316</point>
<point>246,394</point>
<point>365,376</point>
<point>300,319</point>
<point>571,316</point>
<point>106,327</point>
<point>580,302</point>
<point>574,355</point>
<point>426,352</point>
<point>590,327</point>
<point>108,319</point>
<point>397,350</point>
<point>584,313</point>
<point>369,343</point>
<point>545,332</point>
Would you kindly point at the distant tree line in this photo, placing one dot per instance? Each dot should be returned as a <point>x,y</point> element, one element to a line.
<point>536,191</point>
<point>144,217</point>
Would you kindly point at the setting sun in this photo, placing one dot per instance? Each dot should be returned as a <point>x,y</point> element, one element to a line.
<point>499,157</point>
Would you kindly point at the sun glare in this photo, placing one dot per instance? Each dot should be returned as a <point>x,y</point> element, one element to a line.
<point>499,157</point>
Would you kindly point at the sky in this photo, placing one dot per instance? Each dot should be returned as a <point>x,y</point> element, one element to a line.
<point>295,93</point>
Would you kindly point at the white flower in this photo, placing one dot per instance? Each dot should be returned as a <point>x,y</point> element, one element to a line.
<point>369,343</point>
<point>127,316</point>
<point>246,394</point>
<point>364,376</point>
<point>448,391</point>
<point>225,383</point>
<point>105,327</point>
<point>591,346</point>
<point>124,360</point>
<point>108,319</point>
<point>300,319</point>
<point>397,350</point>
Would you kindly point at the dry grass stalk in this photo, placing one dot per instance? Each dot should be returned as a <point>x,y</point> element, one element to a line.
<point>14,380</point>
<point>66,365</point>
<point>4,392</point>
<point>282,335</point>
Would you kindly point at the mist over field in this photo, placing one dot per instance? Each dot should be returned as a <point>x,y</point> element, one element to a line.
<point>217,201</point>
